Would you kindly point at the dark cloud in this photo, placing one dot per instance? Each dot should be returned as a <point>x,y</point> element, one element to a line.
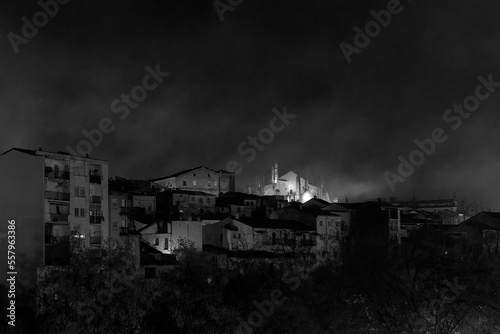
<point>353,120</point>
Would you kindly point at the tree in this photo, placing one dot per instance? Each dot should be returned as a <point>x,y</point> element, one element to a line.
<point>100,291</point>
<point>190,298</point>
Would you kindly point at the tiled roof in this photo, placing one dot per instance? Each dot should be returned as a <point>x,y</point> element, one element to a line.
<point>188,171</point>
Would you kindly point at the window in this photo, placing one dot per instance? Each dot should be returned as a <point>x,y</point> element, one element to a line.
<point>123,223</point>
<point>82,192</point>
<point>215,183</point>
<point>221,237</point>
<point>166,243</point>
<point>320,223</point>
<point>123,202</point>
<point>156,241</point>
<point>209,183</point>
<point>329,223</point>
<point>150,207</point>
<point>77,212</point>
<point>115,223</point>
<point>239,235</point>
<point>194,182</point>
<point>115,202</point>
<point>82,212</point>
<point>208,200</point>
<point>184,183</point>
<point>200,200</point>
<point>77,191</point>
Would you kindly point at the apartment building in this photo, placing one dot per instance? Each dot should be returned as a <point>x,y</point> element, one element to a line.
<point>54,198</point>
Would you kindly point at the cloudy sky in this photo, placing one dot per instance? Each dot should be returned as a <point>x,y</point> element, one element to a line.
<point>353,120</point>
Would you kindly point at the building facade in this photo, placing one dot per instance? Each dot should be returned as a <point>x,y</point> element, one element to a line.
<point>53,198</point>
<point>199,179</point>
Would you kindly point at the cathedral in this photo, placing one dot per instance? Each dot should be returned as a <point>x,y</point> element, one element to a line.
<point>290,185</point>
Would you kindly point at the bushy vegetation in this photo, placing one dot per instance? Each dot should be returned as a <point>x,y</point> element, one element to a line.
<point>421,290</point>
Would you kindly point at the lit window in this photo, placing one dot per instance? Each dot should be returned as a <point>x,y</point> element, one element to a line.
<point>123,202</point>
<point>194,182</point>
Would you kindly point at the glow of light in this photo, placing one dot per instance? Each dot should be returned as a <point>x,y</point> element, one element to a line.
<point>306,196</point>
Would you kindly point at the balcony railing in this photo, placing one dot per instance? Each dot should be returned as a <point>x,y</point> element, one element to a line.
<point>56,174</point>
<point>58,217</point>
<point>57,195</point>
<point>95,178</point>
<point>95,219</point>
<point>95,199</point>
<point>95,240</point>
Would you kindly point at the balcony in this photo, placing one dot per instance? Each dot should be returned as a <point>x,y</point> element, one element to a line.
<point>95,177</point>
<point>51,173</point>
<point>58,196</point>
<point>95,199</point>
<point>58,217</point>
<point>96,219</point>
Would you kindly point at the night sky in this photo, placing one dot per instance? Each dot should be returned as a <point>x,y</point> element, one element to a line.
<point>353,119</point>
